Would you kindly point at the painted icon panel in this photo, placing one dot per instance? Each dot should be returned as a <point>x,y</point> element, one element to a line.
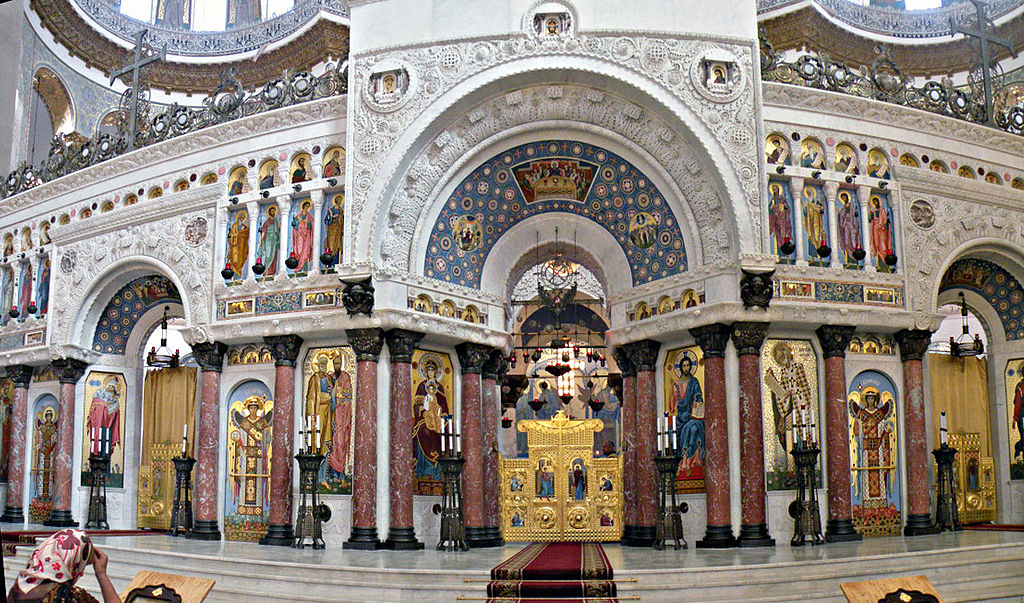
<point>789,394</point>
<point>780,215</point>
<point>44,458</point>
<point>250,431</point>
<point>105,395</point>
<point>1014,378</point>
<point>432,398</point>
<point>328,378</point>
<point>301,235</point>
<point>684,402</point>
<point>874,454</point>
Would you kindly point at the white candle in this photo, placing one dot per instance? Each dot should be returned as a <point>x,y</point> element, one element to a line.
<point>444,437</point>
<point>184,438</point>
<point>316,434</point>
<point>795,435</point>
<point>943,431</point>
<point>309,420</point>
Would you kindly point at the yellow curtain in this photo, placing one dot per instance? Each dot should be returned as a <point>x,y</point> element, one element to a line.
<point>960,387</point>
<point>169,401</point>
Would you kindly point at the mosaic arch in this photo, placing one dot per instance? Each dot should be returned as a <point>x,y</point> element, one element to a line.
<point>555,176</point>
<point>999,288</point>
<point>126,307</point>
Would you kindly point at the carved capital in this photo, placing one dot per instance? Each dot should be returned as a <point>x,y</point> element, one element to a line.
<point>913,343</point>
<point>210,355</point>
<point>367,343</point>
<point>402,343</point>
<point>756,289</point>
<point>625,364</point>
<point>284,348</point>
<point>834,340</point>
<point>712,339</point>
<point>69,370</point>
<point>496,366</point>
<point>643,354</point>
<point>472,357</point>
<point>748,337</point>
<point>20,374</point>
<point>357,296</point>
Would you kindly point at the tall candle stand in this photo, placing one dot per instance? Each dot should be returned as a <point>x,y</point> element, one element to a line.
<point>181,510</point>
<point>804,510</point>
<point>311,516</point>
<point>946,515</point>
<point>670,519</point>
<point>453,531</point>
<point>99,465</point>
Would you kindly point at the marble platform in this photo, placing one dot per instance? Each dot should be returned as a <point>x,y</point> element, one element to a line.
<point>965,566</point>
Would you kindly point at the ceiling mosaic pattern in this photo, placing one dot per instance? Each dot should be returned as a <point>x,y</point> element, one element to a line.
<point>555,176</point>
<point>996,285</point>
<point>126,307</point>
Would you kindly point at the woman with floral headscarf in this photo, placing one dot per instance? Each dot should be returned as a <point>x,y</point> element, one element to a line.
<point>54,568</point>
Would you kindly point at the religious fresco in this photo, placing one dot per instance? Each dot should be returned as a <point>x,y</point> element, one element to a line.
<point>6,408</point>
<point>236,254</point>
<point>555,176</point>
<point>126,307</point>
<point>7,296</point>
<point>815,219</point>
<point>776,150</point>
<point>238,181</point>
<point>25,288</point>
<point>1014,381</point>
<point>332,231</point>
<point>780,215</point>
<point>909,160</point>
<point>334,162</point>
<point>300,168</point>
<point>812,155</point>
<point>684,402</point>
<point>937,165</point>
<point>250,431</point>
<point>103,430</point>
<point>846,159</point>
<point>328,378</point>
<point>268,239</point>
<point>874,454</point>
<point>848,226</point>
<point>300,236</point>
<point>878,164</point>
<point>789,372</point>
<point>44,458</point>
<point>8,245</point>
<point>881,227</point>
<point>433,390</point>
<point>268,174</point>
<point>208,178</point>
<point>999,288</point>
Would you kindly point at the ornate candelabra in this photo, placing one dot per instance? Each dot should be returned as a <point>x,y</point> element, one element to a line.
<point>946,515</point>
<point>453,532</point>
<point>312,515</point>
<point>804,510</point>
<point>670,519</point>
<point>181,510</point>
<point>99,465</point>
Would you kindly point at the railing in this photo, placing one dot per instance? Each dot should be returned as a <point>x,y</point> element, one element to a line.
<point>227,103</point>
<point>884,81</point>
<point>925,23</point>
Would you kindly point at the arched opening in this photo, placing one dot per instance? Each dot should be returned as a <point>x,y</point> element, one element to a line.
<point>249,412</point>
<point>52,112</point>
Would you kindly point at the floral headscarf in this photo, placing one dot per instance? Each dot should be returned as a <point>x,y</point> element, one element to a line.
<point>61,558</point>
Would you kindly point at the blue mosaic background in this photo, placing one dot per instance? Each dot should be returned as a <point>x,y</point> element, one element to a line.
<point>996,285</point>
<point>126,307</point>
<point>608,190</point>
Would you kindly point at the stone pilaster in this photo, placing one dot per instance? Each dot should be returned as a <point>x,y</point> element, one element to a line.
<point>401,534</point>
<point>14,512</point>
<point>210,356</point>
<point>367,344</point>
<point>913,346</point>
<point>628,451</point>
<point>69,371</point>
<point>285,350</point>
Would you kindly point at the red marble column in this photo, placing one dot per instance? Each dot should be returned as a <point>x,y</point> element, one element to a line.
<point>284,349</point>
<point>401,534</point>
<point>210,356</point>
<point>713,340</point>
<point>834,340</point>
<point>14,512</point>
<point>644,357</point>
<point>472,357</point>
<point>628,418</point>
<point>493,372</point>
<point>913,346</point>
<point>748,337</point>
<point>69,371</point>
<point>367,344</point>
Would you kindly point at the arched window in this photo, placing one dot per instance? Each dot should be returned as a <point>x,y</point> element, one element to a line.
<point>51,112</point>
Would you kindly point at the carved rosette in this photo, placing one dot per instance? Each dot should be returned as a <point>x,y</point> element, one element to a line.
<point>625,364</point>
<point>643,354</point>
<point>913,343</point>
<point>367,343</point>
<point>712,339</point>
<point>402,343</point>
<point>210,355</point>
<point>69,370</point>
<point>472,357</point>
<point>496,366</point>
<point>835,339</point>
<point>748,337</point>
<point>284,348</point>
<point>20,374</point>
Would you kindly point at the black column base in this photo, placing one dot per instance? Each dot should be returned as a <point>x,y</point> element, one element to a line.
<point>718,537</point>
<point>755,535</point>
<point>841,530</point>
<point>279,535</point>
<point>402,539</point>
<point>362,539</point>
<point>204,529</point>
<point>13,515</point>
<point>494,533</point>
<point>60,518</point>
<point>482,538</point>
<point>639,536</point>
<point>920,525</point>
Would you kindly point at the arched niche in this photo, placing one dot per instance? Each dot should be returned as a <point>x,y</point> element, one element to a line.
<point>52,112</point>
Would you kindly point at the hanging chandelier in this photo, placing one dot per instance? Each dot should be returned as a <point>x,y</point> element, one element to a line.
<point>161,357</point>
<point>965,344</point>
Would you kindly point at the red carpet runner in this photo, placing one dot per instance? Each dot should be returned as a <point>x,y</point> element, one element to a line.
<point>569,572</point>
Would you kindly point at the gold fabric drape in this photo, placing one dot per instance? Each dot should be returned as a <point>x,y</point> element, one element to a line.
<point>960,387</point>
<point>168,402</point>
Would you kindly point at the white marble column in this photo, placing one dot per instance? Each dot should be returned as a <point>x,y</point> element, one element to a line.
<point>896,229</point>
<point>284,212</point>
<point>831,188</point>
<point>796,190</point>
<point>318,202</point>
<point>253,207</point>
<point>864,196</point>
<point>221,253</point>
<point>18,266</point>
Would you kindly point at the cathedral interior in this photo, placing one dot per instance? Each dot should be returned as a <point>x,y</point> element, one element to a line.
<point>416,283</point>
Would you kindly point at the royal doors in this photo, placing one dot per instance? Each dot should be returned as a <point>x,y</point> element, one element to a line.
<point>561,492</point>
